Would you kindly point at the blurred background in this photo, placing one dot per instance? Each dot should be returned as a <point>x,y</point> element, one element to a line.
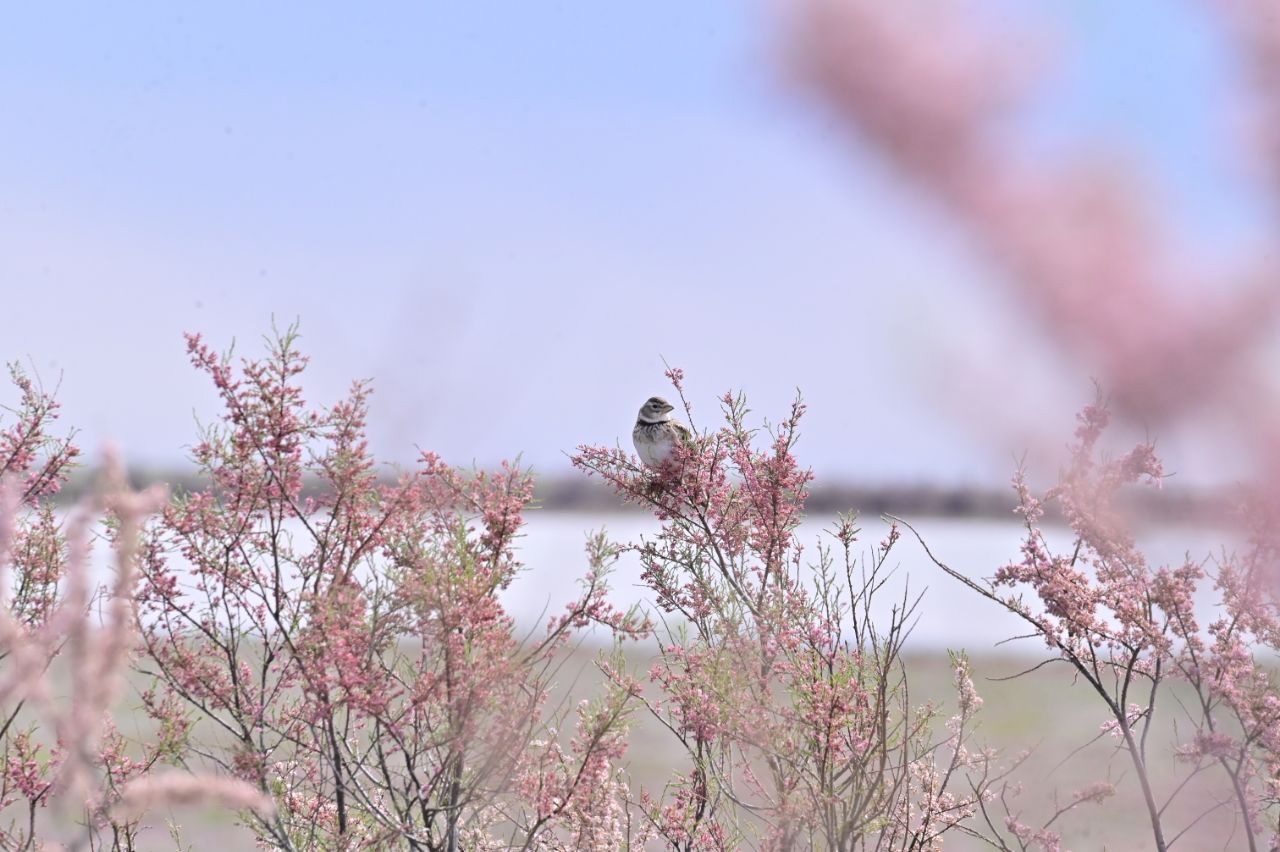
<point>508,215</point>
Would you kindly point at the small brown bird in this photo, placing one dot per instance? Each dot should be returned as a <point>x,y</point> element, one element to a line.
<point>656,434</point>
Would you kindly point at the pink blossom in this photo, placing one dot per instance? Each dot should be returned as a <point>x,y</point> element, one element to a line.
<point>168,789</point>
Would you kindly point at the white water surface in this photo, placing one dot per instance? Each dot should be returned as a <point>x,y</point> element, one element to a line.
<point>949,615</point>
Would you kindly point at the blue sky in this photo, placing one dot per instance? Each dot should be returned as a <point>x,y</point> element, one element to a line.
<point>508,214</point>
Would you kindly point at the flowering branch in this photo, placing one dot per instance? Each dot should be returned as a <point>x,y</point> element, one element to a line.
<point>1126,627</point>
<point>789,701</point>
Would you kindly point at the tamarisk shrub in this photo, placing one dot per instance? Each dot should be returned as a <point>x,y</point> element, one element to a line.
<point>337,641</point>
<point>790,702</point>
<point>35,464</point>
<point>1129,630</point>
<point>57,749</point>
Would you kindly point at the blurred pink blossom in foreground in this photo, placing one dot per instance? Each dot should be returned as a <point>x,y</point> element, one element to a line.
<point>1081,247</point>
<point>47,612</point>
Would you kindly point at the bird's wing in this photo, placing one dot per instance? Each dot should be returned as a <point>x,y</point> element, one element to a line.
<point>683,431</point>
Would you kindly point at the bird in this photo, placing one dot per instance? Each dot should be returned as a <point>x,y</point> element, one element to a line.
<point>656,433</point>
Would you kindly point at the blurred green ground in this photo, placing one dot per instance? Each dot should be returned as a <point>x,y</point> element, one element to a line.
<point>1044,711</point>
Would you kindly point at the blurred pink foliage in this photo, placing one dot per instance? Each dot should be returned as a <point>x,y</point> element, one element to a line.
<point>928,88</point>
<point>66,750</point>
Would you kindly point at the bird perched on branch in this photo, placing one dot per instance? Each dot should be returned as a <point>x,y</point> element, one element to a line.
<point>656,434</point>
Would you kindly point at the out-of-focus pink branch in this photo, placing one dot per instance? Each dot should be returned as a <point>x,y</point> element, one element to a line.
<point>98,658</point>
<point>168,789</point>
<point>1255,24</point>
<point>921,84</point>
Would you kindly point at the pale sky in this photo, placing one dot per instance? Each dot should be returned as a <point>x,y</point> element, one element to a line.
<point>507,214</point>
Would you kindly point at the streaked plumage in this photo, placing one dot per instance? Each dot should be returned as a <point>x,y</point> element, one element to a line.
<point>656,433</point>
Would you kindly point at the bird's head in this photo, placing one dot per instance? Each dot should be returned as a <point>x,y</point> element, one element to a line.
<point>655,410</point>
